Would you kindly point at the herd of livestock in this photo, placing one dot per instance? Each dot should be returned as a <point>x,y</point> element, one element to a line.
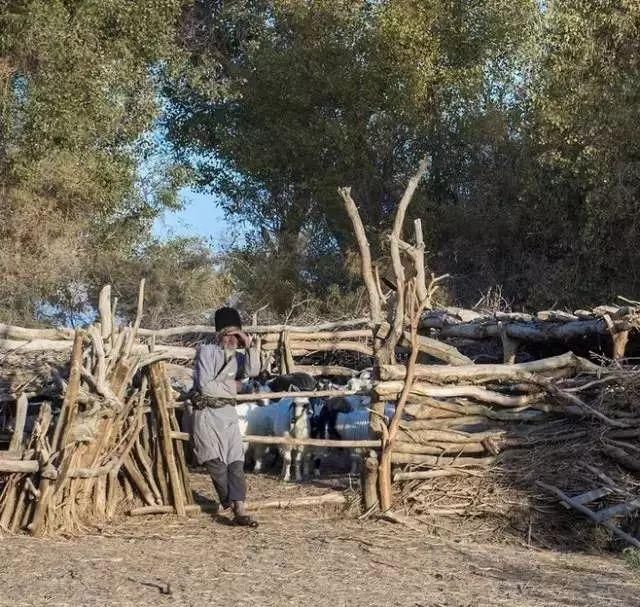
<point>336,418</point>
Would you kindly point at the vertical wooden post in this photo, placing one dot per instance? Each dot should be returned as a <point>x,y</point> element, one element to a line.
<point>509,345</point>
<point>370,481</point>
<point>182,461</point>
<point>384,472</point>
<point>619,342</point>
<point>22,404</point>
<point>104,309</point>
<point>157,383</point>
<point>63,425</point>
<point>40,430</point>
<point>287,356</point>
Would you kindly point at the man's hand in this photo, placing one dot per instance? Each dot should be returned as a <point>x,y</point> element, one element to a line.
<point>244,339</point>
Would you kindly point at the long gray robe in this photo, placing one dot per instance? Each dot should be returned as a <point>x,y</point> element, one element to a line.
<point>216,433</point>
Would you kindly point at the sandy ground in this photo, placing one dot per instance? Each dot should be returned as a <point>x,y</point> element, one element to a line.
<point>298,557</point>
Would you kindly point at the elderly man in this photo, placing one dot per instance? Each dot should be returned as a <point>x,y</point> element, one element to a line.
<point>219,369</point>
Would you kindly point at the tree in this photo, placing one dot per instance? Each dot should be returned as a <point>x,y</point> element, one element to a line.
<point>325,94</point>
<point>78,96</point>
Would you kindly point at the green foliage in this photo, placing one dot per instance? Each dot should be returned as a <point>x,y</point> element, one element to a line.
<point>183,281</point>
<point>78,93</point>
<point>323,94</point>
<point>529,110</point>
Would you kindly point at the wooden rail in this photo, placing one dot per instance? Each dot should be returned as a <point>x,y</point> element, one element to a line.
<point>254,396</point>
<point>313,442</point>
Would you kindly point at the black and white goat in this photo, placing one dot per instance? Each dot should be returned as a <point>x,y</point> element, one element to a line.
<point>290,417</point>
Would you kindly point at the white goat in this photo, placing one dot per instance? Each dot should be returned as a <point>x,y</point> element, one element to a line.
<point>288,418</point>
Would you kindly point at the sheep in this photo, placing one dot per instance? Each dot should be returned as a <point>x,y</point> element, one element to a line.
<point>362,382</point>
<point>243,409</point>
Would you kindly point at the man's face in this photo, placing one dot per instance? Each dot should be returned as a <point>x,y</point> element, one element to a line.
<point>230,340</point>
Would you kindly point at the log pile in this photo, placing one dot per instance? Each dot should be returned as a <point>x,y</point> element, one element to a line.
<point>492,422</point>
<point>611,329</point>
<point>112,443</point>
<point>478,442</point>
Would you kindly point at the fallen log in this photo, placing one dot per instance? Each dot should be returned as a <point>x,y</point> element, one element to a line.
<point>537,332</point>
<point>319,335</point>
<point>21,333</point>
<point>574,503</point>
<point>438,349</point>
<point>447,436</point>
<point>622,457</point>
<point>391,389</point>
<point>429,474</point>
<point>301,348</point>
<point>442,423</point>
<point>244,398</point>
<point>23,466</point>
<point>256,329</point>
<point>441,462</point>
<point>62,345</point>
<point>404,446</point>
<point>299,502</point>
<point>433,347</point>
<point>477,374</point>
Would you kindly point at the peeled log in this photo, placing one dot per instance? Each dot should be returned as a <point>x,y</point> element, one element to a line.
<point>455,411</point>
<point>477,374</point>
<point>391,389</point>
<point>446,436</point>
<point>447,422</point>
<point>297,502</point>
<point>437,448</point>
<point>437,349</point>
<point>319,335</point>
<point>441,462</point>
<point>60,345</point>
<point>20,333</point>
<point>302,348</point>
<point>255,330</point>
<point>427,474</point>
<point>432,347</point>
<point>531,332</point>
<point>25,466</point>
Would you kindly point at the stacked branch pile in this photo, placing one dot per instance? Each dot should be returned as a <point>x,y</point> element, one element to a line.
<point>112,443</point>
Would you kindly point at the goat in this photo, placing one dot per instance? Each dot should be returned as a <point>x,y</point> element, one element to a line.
<point>288,418</point>
<point>293,421</point>
<point>302,382</point>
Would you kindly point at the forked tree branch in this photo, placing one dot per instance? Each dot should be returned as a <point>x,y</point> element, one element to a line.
<point>365,254</point>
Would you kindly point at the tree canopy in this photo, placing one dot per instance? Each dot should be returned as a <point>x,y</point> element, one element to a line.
<point>528,110</point>
<point>78,102</point>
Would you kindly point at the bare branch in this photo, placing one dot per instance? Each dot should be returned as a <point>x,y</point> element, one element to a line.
<point>365,254</point>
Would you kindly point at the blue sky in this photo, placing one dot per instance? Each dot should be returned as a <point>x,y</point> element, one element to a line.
<point>200,216</point>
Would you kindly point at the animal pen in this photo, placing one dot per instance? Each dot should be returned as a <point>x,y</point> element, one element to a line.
<point>545,422</point>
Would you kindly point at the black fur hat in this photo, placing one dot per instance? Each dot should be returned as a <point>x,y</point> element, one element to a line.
<point>227,317</point>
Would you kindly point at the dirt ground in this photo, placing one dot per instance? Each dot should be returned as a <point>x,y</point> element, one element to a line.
<point>298,557</point>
